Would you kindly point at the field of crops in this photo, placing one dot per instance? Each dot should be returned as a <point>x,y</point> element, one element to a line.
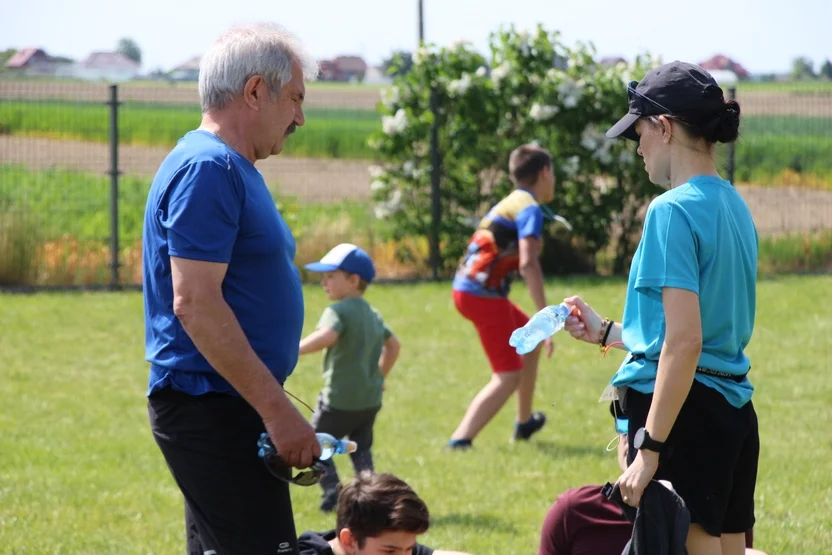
<point>329,133</point>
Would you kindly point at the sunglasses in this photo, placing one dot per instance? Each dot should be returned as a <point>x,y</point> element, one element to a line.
<point>631,92</point>
<point>552,217</point>
<point>278,468</point>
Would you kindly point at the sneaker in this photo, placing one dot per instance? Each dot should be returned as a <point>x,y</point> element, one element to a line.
<point>459,445</point>
<point>527,429</point>
<point>329,500</point>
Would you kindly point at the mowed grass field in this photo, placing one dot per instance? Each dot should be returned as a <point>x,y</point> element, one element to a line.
<point>80,472</point>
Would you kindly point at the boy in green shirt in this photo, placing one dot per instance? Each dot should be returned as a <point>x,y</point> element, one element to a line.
<point>360,351</point>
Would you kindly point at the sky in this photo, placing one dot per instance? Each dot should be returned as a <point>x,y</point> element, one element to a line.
<point>763,35</point>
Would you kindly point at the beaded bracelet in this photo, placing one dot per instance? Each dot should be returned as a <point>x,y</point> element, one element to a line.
<point>604,333</point>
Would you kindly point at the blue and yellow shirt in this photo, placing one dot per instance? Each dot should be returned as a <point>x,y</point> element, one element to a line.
<point>493,257</point>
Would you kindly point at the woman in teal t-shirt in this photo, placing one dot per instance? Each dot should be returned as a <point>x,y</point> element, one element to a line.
<point>689,313</point>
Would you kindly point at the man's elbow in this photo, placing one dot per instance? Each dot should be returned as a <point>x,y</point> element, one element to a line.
<point>529,268</point>
<point>188,304</point>
<point>184,306</point>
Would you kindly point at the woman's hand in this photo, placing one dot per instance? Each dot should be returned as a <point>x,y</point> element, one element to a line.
<point>635,479</point>
<point>583,322</point>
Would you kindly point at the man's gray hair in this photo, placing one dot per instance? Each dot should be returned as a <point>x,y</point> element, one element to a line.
<point>264,49</point>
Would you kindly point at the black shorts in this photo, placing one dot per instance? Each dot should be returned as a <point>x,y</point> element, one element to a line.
<point>232,504</point>
<point>711,457</point>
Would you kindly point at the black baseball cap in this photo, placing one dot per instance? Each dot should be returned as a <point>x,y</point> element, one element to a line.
<point>676,89</point>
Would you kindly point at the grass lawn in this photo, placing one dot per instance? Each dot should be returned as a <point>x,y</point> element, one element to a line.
<point>80,472</point>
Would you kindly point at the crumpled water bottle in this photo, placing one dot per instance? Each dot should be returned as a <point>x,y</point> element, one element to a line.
<point>542,325</point>
<point>329,446</point>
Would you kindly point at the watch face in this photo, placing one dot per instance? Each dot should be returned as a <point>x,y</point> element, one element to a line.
<point>639,439</point>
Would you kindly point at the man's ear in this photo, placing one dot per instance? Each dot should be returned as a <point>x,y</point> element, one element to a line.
<point>347,540</point>
<point>252,91</point>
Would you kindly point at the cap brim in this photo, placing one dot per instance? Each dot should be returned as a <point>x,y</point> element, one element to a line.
<point>625,127</point>
<point>319,267</point>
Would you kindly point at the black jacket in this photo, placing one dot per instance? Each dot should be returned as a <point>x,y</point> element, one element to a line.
<point>660,524</point>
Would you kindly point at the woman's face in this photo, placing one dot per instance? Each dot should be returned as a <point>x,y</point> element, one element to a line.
<point>654,147</point>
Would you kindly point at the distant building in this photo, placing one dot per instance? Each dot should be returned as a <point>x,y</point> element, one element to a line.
<point>34,62</point>
<point>189,71</point>
<point>724,63</point>
<point>112,67</point>
<point>344,69</point>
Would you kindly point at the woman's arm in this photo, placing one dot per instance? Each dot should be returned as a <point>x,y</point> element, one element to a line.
<point>677,362</point>
<point>677,367</point>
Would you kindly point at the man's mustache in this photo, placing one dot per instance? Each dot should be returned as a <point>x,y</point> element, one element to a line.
<point>291,129</point>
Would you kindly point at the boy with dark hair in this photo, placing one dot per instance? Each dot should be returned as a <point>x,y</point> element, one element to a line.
<point>507,240</point>
<point>377,514</point>
<point>360,350</point>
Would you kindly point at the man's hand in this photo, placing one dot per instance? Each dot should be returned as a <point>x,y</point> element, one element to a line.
<point>635,479</point>
<point>293,437</point>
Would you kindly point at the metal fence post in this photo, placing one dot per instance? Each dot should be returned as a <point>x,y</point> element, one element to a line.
<point>435,174</point>
<point>731,162</point>
<point>114,174</point>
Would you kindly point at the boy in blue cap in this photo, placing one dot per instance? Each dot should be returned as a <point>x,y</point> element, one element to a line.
<point>359,352</point>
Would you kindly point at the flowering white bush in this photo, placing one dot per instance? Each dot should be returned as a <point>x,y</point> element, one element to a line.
<point>533,89</point>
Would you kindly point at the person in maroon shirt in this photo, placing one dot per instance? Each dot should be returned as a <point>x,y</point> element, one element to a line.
<point>582,521</point>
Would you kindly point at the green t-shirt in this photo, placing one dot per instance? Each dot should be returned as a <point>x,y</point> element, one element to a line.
<point>352,378</point>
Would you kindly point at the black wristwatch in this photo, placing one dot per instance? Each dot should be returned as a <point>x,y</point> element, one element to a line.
<point>642,440</point>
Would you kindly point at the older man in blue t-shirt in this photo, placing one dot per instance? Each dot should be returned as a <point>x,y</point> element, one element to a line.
<point>223,301</point>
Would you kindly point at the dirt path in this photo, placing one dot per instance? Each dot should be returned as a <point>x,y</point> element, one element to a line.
<point>775,209</point>
<point>310,179</point>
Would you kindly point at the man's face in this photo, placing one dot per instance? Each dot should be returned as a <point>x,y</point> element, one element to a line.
<point>388,543</point>
<point>281,117</point>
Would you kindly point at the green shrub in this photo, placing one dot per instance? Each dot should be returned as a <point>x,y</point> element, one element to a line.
<point>18,248</point>
<point>536,89</point>
<point>796,252</point>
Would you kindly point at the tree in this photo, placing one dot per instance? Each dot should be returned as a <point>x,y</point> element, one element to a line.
<point>129,48</point>
<point>5,56</point>
<point>826,70</point>
<point>802,68</point>
<point>484,113</point>
<point>398,64</point>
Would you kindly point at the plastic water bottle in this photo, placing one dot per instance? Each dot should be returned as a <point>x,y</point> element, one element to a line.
<point>329,446</point>
<point>542,325</point>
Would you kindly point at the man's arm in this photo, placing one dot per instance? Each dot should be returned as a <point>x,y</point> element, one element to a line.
<point>531,271</point>
<point>318,340</point>
<point>199,305</point>
<point>389,355</point>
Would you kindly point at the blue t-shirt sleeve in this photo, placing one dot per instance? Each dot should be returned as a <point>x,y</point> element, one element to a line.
<point>202,216</point>
<point>668,255</point>
<point>530,222</point>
